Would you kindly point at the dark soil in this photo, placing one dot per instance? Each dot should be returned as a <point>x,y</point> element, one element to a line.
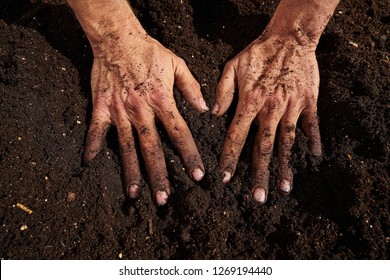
<point>339,209</point>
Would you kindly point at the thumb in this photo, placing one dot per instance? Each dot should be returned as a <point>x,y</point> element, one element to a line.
<point>189,87</point>
<point>225,90</point>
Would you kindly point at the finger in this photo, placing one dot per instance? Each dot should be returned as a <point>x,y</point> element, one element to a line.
<point>189,87</point>
<point>262,154</point>
<point>225,90</point>
<point>285,144</point>
<point>96,135</point>
<point>236,136</point>
<point>130,164</point>
<point>154,159</point>
<point>181,137</point>
<point>311,129</point>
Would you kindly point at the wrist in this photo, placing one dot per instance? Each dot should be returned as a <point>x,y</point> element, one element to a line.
<point>103,21</point>
<point>302,20</point>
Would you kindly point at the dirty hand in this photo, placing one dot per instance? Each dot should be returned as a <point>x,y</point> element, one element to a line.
<point>278,80</point>
<point>132,84</point>
<point>277,83</point>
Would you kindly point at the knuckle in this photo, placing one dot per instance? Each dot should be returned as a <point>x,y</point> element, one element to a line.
<point>136,116</point>
<point>156,94</point>
<point>251,101</point>
<point>250,97</point>
<point>127,147</point>
<point>165,106</point>
<point>152,149</point>
<point>288,140</point>
<point>288,135</point>
<point>195,85</point>
<point>235,138</point>
<point>266,132</point>
<point>290,128</point>
<point>285,148</point>
<point>265,149</point>
<point>131,104</point>
<point>274,103</point>
<point>179,137</point>
<point>138,111</point>
<point>144,130</point>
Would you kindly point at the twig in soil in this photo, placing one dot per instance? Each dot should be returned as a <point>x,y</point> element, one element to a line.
<point>353,44</point>
<point>24,208</point>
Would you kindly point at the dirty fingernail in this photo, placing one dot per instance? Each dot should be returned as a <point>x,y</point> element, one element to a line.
<point>285,186</point>
<point>226,177</point>
<point>161,197</point>
<point>259,195</point>
<point>197,174</point>
<point>203,104</point>
<point>132,191</point>
<point>215,109</point>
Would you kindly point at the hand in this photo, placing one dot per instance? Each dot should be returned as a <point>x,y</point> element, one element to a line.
<point>132,84</point>
<point>277,79</point>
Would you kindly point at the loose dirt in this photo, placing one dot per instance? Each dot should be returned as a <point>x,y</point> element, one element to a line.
<point>339,208</point>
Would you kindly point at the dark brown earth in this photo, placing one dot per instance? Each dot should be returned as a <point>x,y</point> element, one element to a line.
<point>339,209</point>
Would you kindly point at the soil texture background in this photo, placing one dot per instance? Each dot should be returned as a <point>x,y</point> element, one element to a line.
<point>339,208</point>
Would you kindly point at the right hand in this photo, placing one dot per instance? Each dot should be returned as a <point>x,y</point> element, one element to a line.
<point>277,79</point>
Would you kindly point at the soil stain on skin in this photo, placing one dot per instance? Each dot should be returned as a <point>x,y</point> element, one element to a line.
<point>339,208</point>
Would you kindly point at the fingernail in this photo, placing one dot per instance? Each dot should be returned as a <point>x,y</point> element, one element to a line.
<point>226,177</point>
<point>133,191</point>
<point>285,186</point>
<point>161,198</point>
<point>215,109</point>
<point>203,105</point>
<point>259,195</point>
<point>197,174</point>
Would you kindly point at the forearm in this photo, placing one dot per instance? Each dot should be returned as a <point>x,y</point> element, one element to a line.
<point>101,19</point>
<point>303,19</point>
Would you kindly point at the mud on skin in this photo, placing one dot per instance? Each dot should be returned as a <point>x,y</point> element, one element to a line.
<point>337,210</point>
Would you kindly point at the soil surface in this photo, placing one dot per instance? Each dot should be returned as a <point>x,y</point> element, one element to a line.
<point>339,208</point>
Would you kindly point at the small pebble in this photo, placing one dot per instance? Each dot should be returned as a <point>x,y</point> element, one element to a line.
<point>70,197</point>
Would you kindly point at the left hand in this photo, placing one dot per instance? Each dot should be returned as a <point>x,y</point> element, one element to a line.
<point>278,79</point>
<point>132,85</point>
